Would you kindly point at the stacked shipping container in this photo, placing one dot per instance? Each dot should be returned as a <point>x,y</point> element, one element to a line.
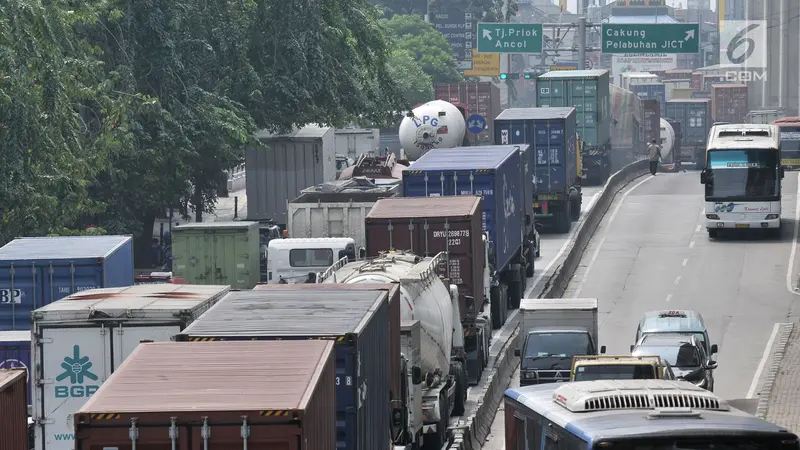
<point>479,98</point>
<point>729,103</point>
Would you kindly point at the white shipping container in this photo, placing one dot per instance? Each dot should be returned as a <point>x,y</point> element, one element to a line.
<point>81,339</point>
<point>671,85</point>
<point>559,312</point>
<point>353,142</point>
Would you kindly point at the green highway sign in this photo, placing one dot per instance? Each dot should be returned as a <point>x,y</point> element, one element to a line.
<point>509,38</point>
<point>650,38</point>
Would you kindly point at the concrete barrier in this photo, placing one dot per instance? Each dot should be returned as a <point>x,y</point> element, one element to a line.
<point>471,431</point>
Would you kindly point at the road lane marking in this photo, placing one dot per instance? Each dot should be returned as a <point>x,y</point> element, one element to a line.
<point>691,244</point>
<point>570,238</point>
<point>699,227</point>
<point>790,270</point>
<point>685,262</point>
<point>677,279</point>
<point>669,297</point>
<point>600,244</point>
<point>764,358</point>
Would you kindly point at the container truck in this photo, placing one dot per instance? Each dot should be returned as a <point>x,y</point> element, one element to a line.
<point>354,142</point>
<point>588,92</point>
<point>432,335</point>
<point>553,331</point>
<point>336,209</point>
<point>790,141</point>
<point>764,116</point>
<point>15,353</point>
<point>298,260</point>
<point>14,410</point>
<point>552,138</point>
<point>492,172</point>
<point>97,330</point>
<point>285,164</point>
<point>651,91</point>
<point>482,97</point>
<point>357,321</point>
<point>37,271</point>
<point>218,253</point>
<point>628,79</point>
<point>670,142</point>
<point>626,127</point>
<point>215,395</point>
<point>729,103</point>
<point>651,121</point>
<point>436,124</point>
<point>695,119</point>
<point>380,169</point>
<point>697,81</point>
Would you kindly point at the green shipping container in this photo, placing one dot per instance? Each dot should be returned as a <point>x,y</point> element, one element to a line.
<point>222,253</point>
<point>585,90</point>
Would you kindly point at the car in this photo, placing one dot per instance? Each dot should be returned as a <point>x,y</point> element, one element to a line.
<point>685,354</point>
<point>675,321</point>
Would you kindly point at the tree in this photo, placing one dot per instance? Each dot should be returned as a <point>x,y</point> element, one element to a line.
<point>428,46</point>
<point>410,79</point>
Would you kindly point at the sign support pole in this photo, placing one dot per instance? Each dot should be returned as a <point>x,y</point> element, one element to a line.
<point>582,43</point>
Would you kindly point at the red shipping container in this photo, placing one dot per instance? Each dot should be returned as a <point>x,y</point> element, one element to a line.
<point>396,377</point>
<point>480,97</point>
<point>14,409</point>
<point>651,120</point>
<point>282,391</point>
<point>710,79</point>
<point>729,103</point>
<point>697,81</point>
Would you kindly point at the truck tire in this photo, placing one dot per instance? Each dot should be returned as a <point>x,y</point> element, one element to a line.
<point>575,209</point>
<point>459,374</point>
<point>529,268</point>
<point>498,316</point>
<point>563,219</point>
<point>515,293</point>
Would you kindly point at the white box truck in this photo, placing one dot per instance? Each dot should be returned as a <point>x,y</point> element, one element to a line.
<point>80,340</point>
<point>553,331</point>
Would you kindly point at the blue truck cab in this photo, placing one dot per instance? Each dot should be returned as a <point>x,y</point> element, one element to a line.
<point>496,174</point>
<point>554,157</point>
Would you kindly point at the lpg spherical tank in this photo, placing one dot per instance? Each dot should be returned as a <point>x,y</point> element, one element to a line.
<point>436,124</point>
<point>667,139</point>
<point>423,297</point>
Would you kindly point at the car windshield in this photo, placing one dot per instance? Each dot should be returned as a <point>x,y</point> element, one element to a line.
<point>615,372</point>
<point>701,337</point>
<point>747,173</point>
<point>557,345</point>
<point>678,355</point>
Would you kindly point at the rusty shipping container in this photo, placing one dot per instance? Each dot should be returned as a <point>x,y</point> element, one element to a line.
<point>729,103</point>
<point>429,225</point>
<point>677,74</point>
<point>481,97</point>
<point>396,374</point>
<point>651,120</point>
<point>14,409</point>
<point>697,81</point>
<point>281,392</point>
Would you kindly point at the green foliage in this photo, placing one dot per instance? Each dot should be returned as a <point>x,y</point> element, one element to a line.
<point>413,83</point>
<point>90,231</point>
<point>428,46</point>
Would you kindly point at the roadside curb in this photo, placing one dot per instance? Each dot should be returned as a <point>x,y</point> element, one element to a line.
<point>769,380</point>
<point>471,431</point>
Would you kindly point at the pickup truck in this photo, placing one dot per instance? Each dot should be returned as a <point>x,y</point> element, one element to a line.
<point>607,367</point>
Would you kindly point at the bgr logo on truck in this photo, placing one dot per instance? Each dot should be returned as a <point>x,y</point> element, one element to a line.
<point>76,373</point>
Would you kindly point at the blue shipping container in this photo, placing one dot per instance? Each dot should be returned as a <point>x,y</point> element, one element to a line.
<point>355,320</point>
<point>38,271</point>
<point>489,171</point>
<point>651,91</point>
<point>15,353</point>
<point>551,134</point>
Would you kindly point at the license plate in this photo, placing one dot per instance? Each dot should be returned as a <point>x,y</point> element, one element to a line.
<point>742,225</point>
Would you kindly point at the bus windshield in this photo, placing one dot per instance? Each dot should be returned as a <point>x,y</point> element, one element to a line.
<point>742,174</point>
<point>742,442</point>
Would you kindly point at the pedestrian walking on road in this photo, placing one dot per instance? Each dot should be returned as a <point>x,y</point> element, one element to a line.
<point>655,156</point>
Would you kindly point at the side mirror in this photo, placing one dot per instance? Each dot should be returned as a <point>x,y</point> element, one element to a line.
<point>703,177</point>
<point>714,349</point>
<point>712,365</point>
<point>631,348</point>
<point>602,349</point>
<point>416,375</point>
<point>782,172</point>
<point>517,352</point>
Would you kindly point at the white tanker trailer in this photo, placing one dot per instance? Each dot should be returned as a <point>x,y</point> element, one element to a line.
<point>669,139</point>
<point>431,338</point>
<point>436,124</point>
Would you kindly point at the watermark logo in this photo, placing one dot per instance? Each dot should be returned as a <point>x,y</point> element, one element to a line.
<point>743,50</point>
<point>77,370</point>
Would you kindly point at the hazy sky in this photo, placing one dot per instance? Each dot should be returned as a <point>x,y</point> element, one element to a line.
<point>572,5</point>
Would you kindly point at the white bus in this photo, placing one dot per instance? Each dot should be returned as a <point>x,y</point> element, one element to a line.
<point>633,415</point>
<point>742,178</point>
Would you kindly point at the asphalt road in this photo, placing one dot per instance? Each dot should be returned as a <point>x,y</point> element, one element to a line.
<point>651,252</point>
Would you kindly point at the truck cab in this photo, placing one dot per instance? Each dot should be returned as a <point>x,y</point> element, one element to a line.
<point>603,367</point>
<point>554,331</point>
<point>298,260</point>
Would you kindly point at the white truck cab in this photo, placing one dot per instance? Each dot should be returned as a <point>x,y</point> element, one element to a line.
<point>298,260</point>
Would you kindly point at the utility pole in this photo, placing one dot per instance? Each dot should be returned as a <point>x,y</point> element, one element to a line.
<point>582,43</point>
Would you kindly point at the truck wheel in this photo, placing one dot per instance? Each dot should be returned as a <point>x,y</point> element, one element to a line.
<point>460,376</point>
<point>529,268</point>
<point>575,209</point>
<point>563,219</point>
<point>497,312</point>
<point>514,294</point>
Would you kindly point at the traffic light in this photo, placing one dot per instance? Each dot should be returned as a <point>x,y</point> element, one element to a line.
<point>509,76</point>
<point>528,76</point>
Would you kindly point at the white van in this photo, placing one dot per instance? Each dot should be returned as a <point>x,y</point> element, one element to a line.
<point>298,260</point>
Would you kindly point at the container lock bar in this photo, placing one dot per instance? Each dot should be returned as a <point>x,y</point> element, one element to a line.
<point>411,234</point>
<point>205,432</point>
<point>11,298</point>
<point>441,180</point>
<point>245,432</point>
<point>173,432</point>
<point>133,433</point>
